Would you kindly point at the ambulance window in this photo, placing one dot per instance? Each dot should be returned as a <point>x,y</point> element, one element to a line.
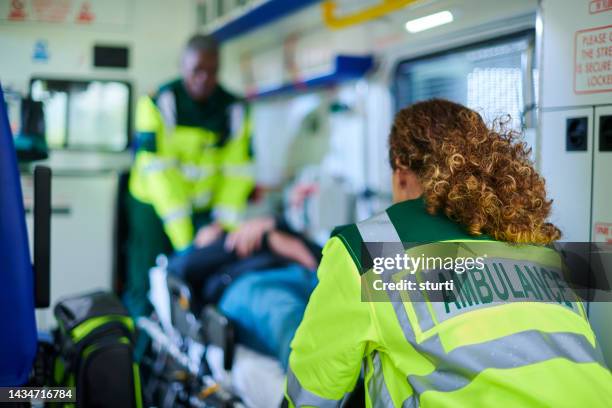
<point>494,78</point>
<point>88,115</point>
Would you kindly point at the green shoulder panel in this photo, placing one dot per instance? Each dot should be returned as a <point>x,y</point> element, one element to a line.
<point>351,238</point>
<point>227,98</point>
<point>168,86</point>
<point>413,224</point>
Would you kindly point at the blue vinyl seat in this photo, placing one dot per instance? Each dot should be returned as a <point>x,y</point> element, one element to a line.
<point>18,337</point>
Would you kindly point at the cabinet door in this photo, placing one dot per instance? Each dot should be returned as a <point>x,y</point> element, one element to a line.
<point>81,236</point>
<point>566,164</point>
<point>602,175</point>
<point>600,310</point>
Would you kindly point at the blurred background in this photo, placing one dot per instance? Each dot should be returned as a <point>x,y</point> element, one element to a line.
<point>324,79</point>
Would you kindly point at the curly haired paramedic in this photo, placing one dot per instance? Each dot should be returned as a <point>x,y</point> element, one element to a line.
<point>454,179</point>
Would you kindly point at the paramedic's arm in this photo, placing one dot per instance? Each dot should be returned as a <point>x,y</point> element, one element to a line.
<point>207,234</point>
<point>158,177</point>
<point>248,236</point>
<point>238,179</point>
<point>329,345</point>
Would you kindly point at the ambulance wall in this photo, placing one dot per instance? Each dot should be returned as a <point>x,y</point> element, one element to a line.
<point>85,182</point>
<point>384,38</point>
<point>576,83</point>
<point>153,30</point>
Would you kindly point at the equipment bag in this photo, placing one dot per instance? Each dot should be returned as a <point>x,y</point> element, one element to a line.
<point>95,342</point>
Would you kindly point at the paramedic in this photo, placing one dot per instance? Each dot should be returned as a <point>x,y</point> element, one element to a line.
<point>453,179</point>
<point>192,166</point>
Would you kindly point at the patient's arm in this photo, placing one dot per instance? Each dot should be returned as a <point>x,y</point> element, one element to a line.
<point>248,237</point>
<point>290,247</point>
<point>207,235</point>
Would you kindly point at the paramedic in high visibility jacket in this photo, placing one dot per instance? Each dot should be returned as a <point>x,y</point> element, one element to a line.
<point>192,170</point>
<point>453,180</point>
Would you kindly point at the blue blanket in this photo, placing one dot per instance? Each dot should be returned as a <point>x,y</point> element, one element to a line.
<point>267,307</point>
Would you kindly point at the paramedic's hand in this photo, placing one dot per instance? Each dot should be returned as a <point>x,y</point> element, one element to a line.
<point>291,248</point>
<point>249,236</point>
<point>207,235</point>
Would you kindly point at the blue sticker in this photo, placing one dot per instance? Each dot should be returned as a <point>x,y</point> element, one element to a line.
<point>41,51</point>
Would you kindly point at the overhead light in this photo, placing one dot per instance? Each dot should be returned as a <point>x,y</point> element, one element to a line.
<point>430,21</point>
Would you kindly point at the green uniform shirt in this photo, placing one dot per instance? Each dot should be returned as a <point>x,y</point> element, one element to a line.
<point>213,114</point>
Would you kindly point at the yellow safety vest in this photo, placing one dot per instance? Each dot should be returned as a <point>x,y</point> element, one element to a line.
<point>467,351</point>
<point>189,171</point>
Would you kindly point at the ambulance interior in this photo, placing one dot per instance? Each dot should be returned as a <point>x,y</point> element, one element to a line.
<point>323,80</point>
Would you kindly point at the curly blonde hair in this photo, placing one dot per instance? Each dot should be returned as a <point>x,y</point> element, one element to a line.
<point>479,177</point>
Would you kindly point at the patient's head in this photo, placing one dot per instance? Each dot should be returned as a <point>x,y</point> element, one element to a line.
<point>481,178</point>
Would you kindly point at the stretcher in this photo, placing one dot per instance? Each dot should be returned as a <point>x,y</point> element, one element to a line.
<point>192,359</point>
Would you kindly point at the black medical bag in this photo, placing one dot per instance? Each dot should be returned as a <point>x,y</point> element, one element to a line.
<point>95,351</point>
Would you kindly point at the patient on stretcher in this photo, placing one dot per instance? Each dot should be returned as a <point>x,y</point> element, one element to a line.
<point>260,276</point>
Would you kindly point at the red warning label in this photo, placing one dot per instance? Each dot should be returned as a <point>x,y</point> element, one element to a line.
<point>593,60</point>
<point>603,232</point>
<point>597,6</point>
<point>17,11</point>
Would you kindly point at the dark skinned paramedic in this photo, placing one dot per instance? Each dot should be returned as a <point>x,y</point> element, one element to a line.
<point>192,169</point>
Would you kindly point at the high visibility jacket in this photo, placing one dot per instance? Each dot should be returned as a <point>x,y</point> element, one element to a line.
<point>477,349</point>
<point>191,158</point>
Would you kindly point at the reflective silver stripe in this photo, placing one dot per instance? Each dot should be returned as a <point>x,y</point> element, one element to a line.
<point>195,172</point>
<point>459,367</point>
<point>237,114</point>
<point>238,170</point>
<point>166,103</point>
<point>228,215</point>
<point>377,388</point>
<point>302,397</point>
<point>378,228</point>
<point>202,199</point>
<point>240,121</point>
<point>158,165</point>
<point>176,215</point>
